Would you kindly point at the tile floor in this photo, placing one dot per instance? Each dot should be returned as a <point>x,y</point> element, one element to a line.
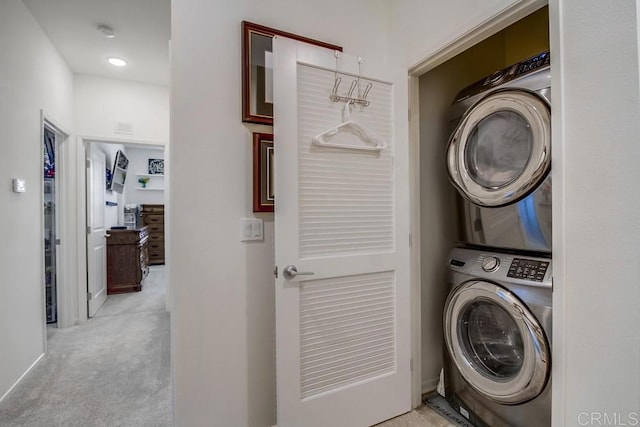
<point>420,417</point>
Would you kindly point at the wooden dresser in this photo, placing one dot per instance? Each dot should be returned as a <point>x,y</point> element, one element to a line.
<point>127,260</point>
<point>153,218</point>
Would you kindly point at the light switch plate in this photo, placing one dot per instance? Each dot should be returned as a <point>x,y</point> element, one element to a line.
<point>251,229</point>
<point>19,185</point>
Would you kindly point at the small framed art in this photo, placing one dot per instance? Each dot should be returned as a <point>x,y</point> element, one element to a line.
<point>257,88</point>
<point>263,190</point>
<point>156,166</point>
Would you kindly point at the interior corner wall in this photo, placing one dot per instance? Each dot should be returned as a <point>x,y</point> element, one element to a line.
<point>34,78</point>
<point>223,318</point>
<point>596,236</point>
<point>100,103</point>
<point>438,207</point>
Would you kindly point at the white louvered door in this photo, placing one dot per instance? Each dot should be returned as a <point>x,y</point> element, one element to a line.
<point>343,333</point>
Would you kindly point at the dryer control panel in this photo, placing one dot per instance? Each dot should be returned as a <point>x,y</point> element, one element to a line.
<point>505,75</point>
<point>529,269</point>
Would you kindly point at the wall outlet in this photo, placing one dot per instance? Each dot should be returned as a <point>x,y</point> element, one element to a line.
<point>19,185</point>
<point>251,229</point>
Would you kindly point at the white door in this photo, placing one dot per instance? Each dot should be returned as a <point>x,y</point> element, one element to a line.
<point>343,333</point>
<point>96,230</point>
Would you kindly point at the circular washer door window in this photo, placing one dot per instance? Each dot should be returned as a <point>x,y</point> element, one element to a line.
<point>501,150</point>
<point>496,344</point>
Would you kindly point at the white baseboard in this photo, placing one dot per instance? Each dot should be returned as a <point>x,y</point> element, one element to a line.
<point>21,377</point>
<point>430,385</point>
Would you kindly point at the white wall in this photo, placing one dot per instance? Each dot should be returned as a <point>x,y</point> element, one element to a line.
<point>417,29</point>
<point>34,77</point>
<point>223,317</point>
<point>596,173</point>
<point>100,103</point>
<point>139,164</point>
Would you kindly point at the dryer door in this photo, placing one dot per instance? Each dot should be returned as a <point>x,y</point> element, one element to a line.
<point>501,150</point>
<point>496,344</point>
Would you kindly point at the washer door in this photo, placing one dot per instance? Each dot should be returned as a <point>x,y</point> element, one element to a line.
<point>501,150</point>
<point>497,345</point>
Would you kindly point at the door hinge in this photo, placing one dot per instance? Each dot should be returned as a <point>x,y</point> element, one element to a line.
<point>275,271</point>
<point>88,163</point>
<point>57,241</point>
<point>411,364</point>
<point>89,296</point>
<point>409,239</point>
<point>88,230</point>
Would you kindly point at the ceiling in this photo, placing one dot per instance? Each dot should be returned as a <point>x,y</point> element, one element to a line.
<point>142,29</point>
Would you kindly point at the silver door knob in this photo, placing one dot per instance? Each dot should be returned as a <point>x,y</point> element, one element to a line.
<point>290,272</point>
<point>107,234</point>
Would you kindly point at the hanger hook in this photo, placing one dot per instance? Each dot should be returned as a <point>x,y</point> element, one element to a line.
<point>354,84</point>
<point>346,111</point>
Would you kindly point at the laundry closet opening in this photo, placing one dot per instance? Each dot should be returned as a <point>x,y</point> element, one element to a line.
<point>440,207</point>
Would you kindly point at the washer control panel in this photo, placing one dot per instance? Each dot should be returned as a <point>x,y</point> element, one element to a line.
<point>522,268</point>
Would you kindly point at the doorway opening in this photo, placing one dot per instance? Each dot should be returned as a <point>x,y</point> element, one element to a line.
<point>512,37</point>
<point>50,219</point>
<point>125,208</point>
<point>54,244</point>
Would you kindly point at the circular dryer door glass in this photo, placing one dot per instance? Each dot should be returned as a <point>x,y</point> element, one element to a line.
<point>498,149</point>
<point>492,340</point>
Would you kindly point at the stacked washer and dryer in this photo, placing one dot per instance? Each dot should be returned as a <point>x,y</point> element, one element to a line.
<point>497,317</point>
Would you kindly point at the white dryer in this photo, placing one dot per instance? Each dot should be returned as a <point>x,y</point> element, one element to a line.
<point>497,329</point>
<point>499,157</point>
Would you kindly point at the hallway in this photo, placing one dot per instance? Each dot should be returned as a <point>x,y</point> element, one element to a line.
<point>112,370</point>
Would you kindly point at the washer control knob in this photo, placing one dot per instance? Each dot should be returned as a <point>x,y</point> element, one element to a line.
<point>490,263</point>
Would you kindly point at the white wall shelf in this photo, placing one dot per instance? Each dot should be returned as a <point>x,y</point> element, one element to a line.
<point>155,182</point>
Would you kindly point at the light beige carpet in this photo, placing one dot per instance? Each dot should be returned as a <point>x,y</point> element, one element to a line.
<point>113,370</point>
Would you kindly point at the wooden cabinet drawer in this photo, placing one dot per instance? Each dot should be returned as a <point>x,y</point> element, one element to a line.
<point>157,228</point>
<point>153,209</point>
<point>152,219</point>
<point>156,246</point>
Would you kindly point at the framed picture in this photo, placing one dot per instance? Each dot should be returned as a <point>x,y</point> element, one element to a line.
<point>263,191</point>
<point>156,166</point>
<point>257,88</point>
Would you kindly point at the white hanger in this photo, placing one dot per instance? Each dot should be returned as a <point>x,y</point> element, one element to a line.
<point>348,125</point>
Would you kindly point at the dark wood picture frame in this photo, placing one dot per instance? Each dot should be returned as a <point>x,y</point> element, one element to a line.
<point>251,87</point>
<point>263,190</point>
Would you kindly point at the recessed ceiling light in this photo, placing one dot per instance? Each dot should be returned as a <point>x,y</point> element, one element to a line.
<point>106,31</point>
<point>117,62</point>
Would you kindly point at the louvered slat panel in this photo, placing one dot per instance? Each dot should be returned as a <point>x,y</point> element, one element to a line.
<point>348,190</point>
<point>347,331</point>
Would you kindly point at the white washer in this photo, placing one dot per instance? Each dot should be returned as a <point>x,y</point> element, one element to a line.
<point>497,330</point>
<point>499,157</point>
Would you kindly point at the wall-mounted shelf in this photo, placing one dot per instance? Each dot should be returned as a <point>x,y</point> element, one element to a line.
<point>155,182</point>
